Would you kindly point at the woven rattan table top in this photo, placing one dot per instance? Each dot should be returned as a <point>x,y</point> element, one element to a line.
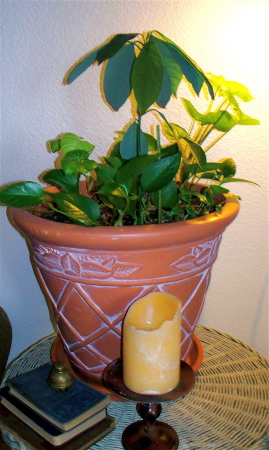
<point>226,410</point>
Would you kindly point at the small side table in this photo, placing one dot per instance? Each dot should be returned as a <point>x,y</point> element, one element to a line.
<point>226,410</point>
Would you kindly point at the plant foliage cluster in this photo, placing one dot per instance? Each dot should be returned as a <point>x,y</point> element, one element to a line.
<point>141,181</point>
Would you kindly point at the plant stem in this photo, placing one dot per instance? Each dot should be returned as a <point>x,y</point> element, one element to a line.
<point>139,153</point>
<point>159,192</point>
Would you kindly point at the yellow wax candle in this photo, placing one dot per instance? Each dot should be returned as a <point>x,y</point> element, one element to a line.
<point>151,344</point>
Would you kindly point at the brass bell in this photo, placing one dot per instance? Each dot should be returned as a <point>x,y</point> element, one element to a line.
<point>60,378</point>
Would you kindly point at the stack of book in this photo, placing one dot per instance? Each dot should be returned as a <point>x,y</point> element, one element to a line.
<point>74,419</point>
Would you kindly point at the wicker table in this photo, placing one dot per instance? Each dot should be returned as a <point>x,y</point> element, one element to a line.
<point>227,409</point>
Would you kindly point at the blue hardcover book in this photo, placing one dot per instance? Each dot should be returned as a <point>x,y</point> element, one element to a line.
<point>63,409</point>
<point>46,429</point>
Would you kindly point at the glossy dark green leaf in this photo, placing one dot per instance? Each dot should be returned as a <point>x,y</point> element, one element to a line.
<point>128,145</point>
<point>169,195</point>
<point>70,142</point>
<point>117,86</point>
<point>165,92</point>
<point>147,76</point>
<point>113,46</point>
<point>79,208</point>
<point>113,161</point>
<point>84,63</point>
<point>66,183</point>
<point>134,167</point>
<point>190,69</point>
<point>22,195</point>
<point>230,162</point>
<point>217,189</point>
<point>77,161</point>
<point>105,174</point>
<point>173,70</point>
<point>160,173</point>
<point>224,169</point>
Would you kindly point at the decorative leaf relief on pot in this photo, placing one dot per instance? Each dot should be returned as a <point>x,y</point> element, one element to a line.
<point>88,266</point>
<point>201,255</point>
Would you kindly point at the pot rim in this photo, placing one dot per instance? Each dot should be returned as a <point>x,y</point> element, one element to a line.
<point>129,236</point>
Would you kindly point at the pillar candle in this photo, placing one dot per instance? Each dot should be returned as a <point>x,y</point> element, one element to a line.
<point>151,344</point>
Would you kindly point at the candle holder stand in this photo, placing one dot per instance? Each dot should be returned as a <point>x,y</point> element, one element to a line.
<point>148,433</point>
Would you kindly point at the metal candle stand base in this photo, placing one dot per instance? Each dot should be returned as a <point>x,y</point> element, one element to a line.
<point>148,433</point>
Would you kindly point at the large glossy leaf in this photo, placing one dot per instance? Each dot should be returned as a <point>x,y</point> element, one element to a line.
<point>134,167</point>
<point>105,174</point>
<point>79,208</point>
<point>190,69</point>
<point>117,84</point>
<point>147,76</point>
<point>66,183</point>
<point>171,66</point>
<point>165,92</point>
<point>113,46</point>
<point>160,173</point>
<point>77,161</point>
<point>128,145</point>
<point>22,194</point>
<point>81,66</point>
<point>169,195</point>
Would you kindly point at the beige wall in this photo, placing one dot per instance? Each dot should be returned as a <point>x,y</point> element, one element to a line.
<point>41,40</point>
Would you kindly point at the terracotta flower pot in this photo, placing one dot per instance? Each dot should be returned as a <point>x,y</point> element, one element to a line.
<point>92,276</point>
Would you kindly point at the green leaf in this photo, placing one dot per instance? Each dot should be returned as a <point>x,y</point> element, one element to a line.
<point>104,173</point>
<point>192,110</point>
<point>77,161</point>
<point>22,194</point>
<point>151,142</point>
<point>239,90</point>
<point>169,195</point>
<point>128,144</point>
<point>113,161</point>
<point>160,173</point>
<point>115,189</point>
<point>79,67</point>
<point>217,189</point>
<point>241,180</point>
<point>54,145</point>
<point>230,162</point>
<point>70,142</point>
<point>113,46</point>
<point>173,70</point>
<point>174,132</point>
<point>57,177</point>
<point>134,167</point>
<point>189,147</point>
<point>147,76</point>
<point>117,87</point>
<point>165,92</point>
<point>222,120</point>
<point>79,208</point>
<point>243,119</point>
<point>190,69</point>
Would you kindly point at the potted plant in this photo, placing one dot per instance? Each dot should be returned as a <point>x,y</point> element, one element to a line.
<point>148,217</point>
